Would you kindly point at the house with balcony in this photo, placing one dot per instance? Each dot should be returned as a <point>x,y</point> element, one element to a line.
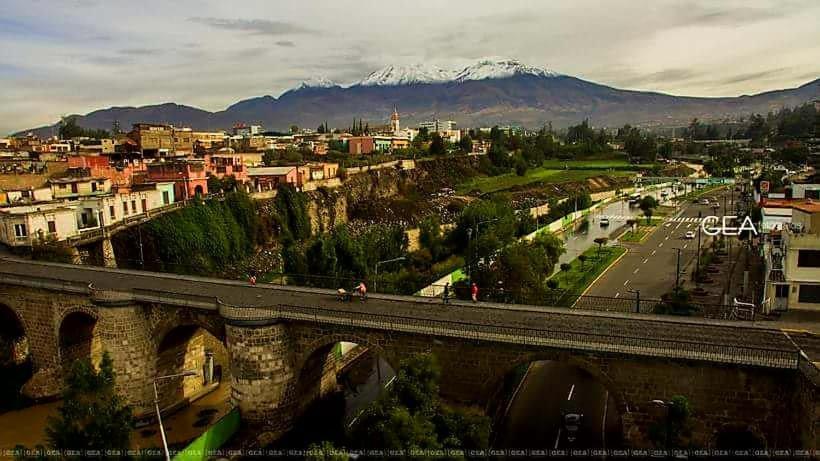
<point>74,187</point>
<point>792,256</point>
<point>189,177</point>
<point>226,163</point>
<point>27,225</point>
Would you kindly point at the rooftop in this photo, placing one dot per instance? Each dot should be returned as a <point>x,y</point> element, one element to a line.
<point>270,171</point>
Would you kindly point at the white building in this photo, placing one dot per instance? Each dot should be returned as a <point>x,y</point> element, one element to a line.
<point>438,125</point>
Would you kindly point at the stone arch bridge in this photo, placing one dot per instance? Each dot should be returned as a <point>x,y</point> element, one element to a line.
<point>278,340</point>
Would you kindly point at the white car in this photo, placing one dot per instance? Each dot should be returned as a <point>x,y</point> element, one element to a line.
<point>689,235</point>
<point>604,222</point>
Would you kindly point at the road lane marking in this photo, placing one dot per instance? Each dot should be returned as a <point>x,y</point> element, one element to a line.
<point>603,420</point>
<point>685,245</point>
<point>571,390</point>
<point>660,245</point>
<point>558,438</point>
<point>636,270</point>
<point>667,238</point>
<point>653,252</point>
<point>645,260</point>
<point>617,294</point>
<point>626,282</point>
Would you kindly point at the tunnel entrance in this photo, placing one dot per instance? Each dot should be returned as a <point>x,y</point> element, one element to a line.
<point>534,398</point>
<point>189,348</point>
<point>78,340</point>
<point>335,384</point>
<point>15,360</point>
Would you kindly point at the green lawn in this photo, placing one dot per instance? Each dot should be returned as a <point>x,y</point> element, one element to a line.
<point>593,164</point>
<point>535,175</point>
<point>578,278</point>
<point>639,233</point>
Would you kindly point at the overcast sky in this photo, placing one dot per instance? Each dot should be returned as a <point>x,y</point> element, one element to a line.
<point>73,56</point>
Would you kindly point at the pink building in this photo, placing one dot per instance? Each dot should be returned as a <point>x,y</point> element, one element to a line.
<point>269,178</point>
<point>100,166</point>
<point>226,164</point>
<point>188,176</point>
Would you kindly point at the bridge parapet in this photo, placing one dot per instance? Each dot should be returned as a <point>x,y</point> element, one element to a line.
<point>781,358</point>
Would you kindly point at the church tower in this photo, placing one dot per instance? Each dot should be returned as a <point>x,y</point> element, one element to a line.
<point>394,121</point>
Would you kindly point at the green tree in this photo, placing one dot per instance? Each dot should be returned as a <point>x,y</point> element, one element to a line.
<point>648,205</point>
<point>600,241</point>
<point>582,259</point>
<point>325,451</point>
<point>565,268</point>
<point>92,415</point>
<point>466,144</point>
<point>437,146</point>
<point>294,129</point>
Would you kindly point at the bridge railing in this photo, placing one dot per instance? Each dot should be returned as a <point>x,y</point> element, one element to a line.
<point>738,354</point>
<point>551,298</point>
<point>50,283</point>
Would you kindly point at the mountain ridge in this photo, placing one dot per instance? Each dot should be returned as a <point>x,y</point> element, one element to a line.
<point>483,94</point>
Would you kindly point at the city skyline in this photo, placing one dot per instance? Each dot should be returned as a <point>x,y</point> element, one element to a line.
<point>79,56</point>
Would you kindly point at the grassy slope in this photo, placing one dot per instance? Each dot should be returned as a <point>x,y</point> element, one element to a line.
<point>535,175</point>
<point>578,278</point>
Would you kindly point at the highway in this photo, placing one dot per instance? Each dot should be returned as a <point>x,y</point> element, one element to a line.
<point>534,419</point>
<point>649,266</point>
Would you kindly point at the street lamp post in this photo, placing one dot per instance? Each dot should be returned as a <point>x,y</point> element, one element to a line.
<point>637,300</point>
<point>376,275</point>
<point>667,405</point>
<point>159,414</point>
<point>697,257</point>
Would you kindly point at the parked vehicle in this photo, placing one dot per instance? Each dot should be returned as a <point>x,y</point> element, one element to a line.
<point>604,222</point>
<point>704,201</point>
<point>689,235</point>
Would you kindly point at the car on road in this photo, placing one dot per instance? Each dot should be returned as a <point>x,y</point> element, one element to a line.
<point>689,235</point>
<point>604,222</point>
<point>704,201</point>
<point>716,204</point>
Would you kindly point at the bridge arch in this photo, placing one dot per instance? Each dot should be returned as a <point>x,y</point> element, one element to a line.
<point>14,346</point>
<point>78,337</point>
<point>189,347</point>
<point>535,390</point>
<point>321,360</point>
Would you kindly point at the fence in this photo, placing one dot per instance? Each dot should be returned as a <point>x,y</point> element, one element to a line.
<point>740,354</point>
<point>205,445</point>
<point>490,324</point>
<point>459,290</point>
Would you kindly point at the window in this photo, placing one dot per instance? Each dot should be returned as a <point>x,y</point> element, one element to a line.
<point>809,294</point>
<point>143,205</point>
<point>133,206</point>
<point>808,258</point>
<point>125,208</point>
<point>165,199</point>
<point>93,187</point>
<point>52,227</point>
<point>63,186</point>
<point>20,230</point>
<point>781,291</point>
<point>74,188</point>
<point>111,212</point>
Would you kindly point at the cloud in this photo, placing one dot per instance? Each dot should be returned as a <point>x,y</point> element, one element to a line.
<point>252,26</point>
<point>751,76</point>
<point>140,51</point>
<point>285,43</point>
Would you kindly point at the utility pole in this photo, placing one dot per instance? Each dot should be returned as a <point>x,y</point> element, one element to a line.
<point>677,272</point>
<point>697,261</point>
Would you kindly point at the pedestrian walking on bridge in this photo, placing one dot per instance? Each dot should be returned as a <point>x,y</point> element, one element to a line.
<point>474,292</point>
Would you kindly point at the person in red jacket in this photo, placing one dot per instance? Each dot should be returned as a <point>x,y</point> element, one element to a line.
<point>474,292</point>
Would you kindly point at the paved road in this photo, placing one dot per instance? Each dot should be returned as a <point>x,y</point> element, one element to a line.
<point>650,266</point>
<point>534,420</point>
<point>681,335</point>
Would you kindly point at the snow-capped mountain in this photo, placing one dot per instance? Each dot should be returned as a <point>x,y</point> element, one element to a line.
<point>315,82</point>
<point>490,91</point>
<point>504,68</point>
<point>427,74</point>
<point>406,75</point>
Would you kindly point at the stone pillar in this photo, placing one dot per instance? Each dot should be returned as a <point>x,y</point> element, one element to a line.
<point>263,377</point>
<point>125,333</point>
<point>76,258</point>
<point>108,257</point>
